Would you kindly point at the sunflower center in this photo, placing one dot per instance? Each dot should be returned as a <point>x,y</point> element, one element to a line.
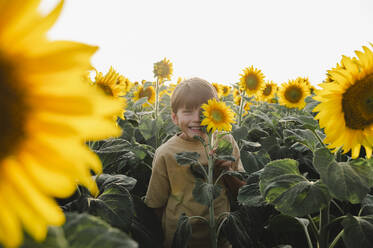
<point>217,116</point>
<point>293,94</point>
<point>13,109</point>
<point>267,91</point>
<point>225,90</point>
<point>251,82</point>
<point>357,104</point>
<point>106,89</point>
<point>146,93</point>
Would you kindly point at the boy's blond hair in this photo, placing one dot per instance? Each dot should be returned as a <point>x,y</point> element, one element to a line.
<point>191,93</point>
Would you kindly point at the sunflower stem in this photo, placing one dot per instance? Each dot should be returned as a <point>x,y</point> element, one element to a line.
<point>210,181</point>
<point>318,138</point>
<point>241,109</point>
<point>156,112</point>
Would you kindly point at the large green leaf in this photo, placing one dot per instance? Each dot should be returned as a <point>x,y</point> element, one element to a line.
<point>239,133</point>
<point>204,192</point>
<point>303,136</point>
<point>358,231</point>
<point>148,127</point>
<point>349,181</point>
<point>106,181</point>
<point>183,232</point>
<point>249,195</point>
<point>224,147</point>
<point>187,158</point>
<point>367,203</point>
<point>115,206</point>
<point>235,230</point>
<point>282,185</point>
<point>55,238</point>
<point>83,230</point>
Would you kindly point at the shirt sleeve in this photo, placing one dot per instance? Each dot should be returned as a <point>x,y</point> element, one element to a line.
<point>159,184</point>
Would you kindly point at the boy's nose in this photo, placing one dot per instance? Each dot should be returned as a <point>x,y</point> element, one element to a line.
<point>196,114</point>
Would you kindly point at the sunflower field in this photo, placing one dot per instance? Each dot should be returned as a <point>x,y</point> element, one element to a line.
<point>77,147</point>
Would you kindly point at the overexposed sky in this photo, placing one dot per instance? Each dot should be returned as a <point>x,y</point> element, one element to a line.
<point>216,39</point>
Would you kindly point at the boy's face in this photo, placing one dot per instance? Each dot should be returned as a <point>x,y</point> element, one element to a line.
<point>188,120</point>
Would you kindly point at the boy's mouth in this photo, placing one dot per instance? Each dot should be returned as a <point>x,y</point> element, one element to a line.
<point>196,128</point>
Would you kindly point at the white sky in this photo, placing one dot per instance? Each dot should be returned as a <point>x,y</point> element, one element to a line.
<point>216,39</point>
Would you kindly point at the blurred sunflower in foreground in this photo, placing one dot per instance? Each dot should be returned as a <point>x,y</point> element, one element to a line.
<point>163,70</point>
<point>346,105</point>
<point>48,112</point>
<point>251,81</point>
<point>114,85</point>
<point>293,94</point>
<point>217,116</point>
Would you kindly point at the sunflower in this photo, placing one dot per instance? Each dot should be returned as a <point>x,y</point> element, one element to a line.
<point>251,81</point>
<point>148,92</point>
<point>268,92</point>
<point>226,90</point>
<point>346,109</point>
<point>163,70</point>
<point>218,89</point>
<point>126,83</point>
<point>218,116</point>
<point>113,85</point>
<point>236,93</point>
<point>48,112</point>
<point>293,93</point>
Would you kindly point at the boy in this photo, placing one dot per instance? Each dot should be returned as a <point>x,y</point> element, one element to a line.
<point>171,185</point>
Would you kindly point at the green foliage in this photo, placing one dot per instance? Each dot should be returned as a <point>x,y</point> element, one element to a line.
<point>291,193</point>
<point>204,192</point>
<point>358,231</point>
<point>182,233</point>
<point>348,181</point>
<point>83,230</point>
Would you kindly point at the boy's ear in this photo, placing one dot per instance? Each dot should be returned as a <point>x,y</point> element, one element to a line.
<point>174,118</point>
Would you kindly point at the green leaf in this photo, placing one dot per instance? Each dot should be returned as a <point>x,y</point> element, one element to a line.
<point>183,232</point>
<point>346,181</point>
<point>113,146</point>
<point>256,134</point>
<point>249,195</point>
<point>358,231</point>
<point>310,104</point>
<point>55,238</point>
<point>115,206</point>
<point>148,127</point>
<point>105,181</point>
<point>367,203</point>
<point>141,101</point>
<point>187,158</point>
<point>307,121</point>
<point>240,133</point>
<point>224,147</point>
<point>303,136</point>
<point>282,185</point>
<point>83,230</point>
<point>204,192</point>
<point>235,230</point>
<point>250,146</point>
<point>226,157</point>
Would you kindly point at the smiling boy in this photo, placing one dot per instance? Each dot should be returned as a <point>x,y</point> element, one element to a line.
<point>171,185</point>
